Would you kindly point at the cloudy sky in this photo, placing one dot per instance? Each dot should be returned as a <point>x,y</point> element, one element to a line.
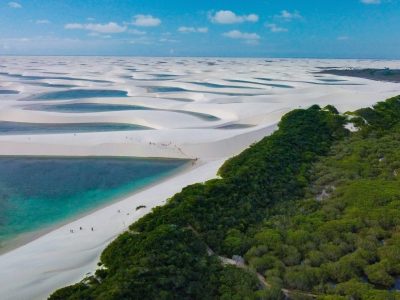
<point>254,28</point>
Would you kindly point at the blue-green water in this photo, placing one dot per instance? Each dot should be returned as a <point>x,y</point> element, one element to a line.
<point>166,89</point>
<point>7,128</point>
<point>80,94</point>
<point>39,192</point>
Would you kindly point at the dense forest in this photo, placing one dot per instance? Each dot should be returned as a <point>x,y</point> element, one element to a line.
<point>313,210</point>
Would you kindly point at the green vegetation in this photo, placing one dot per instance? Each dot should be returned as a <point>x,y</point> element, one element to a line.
<point>160,264</point>
<point>313,209</point>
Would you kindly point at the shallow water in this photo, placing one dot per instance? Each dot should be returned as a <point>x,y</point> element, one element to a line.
<point>9,128</point>
<point>52,85</point>
<point>99,107</point>
<point>222,86</point>
<point>166,89</point>
<point>8,92</point>
<point>79,94</point>
<point>277,85</point>
<point>236,126</point>
<point>38,192</point>
<point>87,107</point>
<point>332,80</point>
<point>30,77</point>
<point>259,83</point>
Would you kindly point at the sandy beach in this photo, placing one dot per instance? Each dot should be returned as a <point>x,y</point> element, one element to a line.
<point>264,92</point>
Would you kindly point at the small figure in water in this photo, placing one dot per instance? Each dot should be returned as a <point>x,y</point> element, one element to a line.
<point>92,229</point>
<point>80,228</point>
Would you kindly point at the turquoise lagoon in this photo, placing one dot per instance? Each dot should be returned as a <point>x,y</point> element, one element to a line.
<point>11,128</point>
<point>80,94</point>
<point>38,193</point>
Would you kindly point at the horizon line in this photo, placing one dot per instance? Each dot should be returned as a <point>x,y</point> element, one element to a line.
<point>205,56</point>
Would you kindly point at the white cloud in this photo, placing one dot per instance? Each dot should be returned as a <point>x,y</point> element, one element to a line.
<point>110,27</point>
<point>136,32</point>
<point>248,38</point>
<point>14,5</point>
<point>202,29</point>
<point>74,26</point>
<point>43,22</point>
<point>236,34</point>
<point>146,21</point>
<point>275,28</point>
<point>166,40</point>
<point>289,16</point>
<point>229,17</point>
<point>185,29</point>
<point>371,1</point>
<point>96,34</point>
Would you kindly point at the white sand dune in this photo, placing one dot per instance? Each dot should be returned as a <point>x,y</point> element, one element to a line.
<point>233,91</point>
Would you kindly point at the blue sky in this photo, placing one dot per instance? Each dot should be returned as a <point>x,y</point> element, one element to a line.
<point>252,28</point>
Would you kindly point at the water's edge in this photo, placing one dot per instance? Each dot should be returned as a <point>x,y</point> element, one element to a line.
<point>22,239</point>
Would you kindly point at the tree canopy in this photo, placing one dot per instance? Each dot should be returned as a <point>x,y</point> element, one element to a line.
<point>313,208</point>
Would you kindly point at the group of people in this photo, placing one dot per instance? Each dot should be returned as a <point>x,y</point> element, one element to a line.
<point>80,228</point>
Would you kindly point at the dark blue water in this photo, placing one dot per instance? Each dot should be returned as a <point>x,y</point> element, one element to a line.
<point>8,92</point>
<point>51,128</point>
<point>39,192</point>
<point>80,94</point>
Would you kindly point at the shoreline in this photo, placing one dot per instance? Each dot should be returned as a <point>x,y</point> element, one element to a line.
<point>59,258</point>
<point>25,238</point>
